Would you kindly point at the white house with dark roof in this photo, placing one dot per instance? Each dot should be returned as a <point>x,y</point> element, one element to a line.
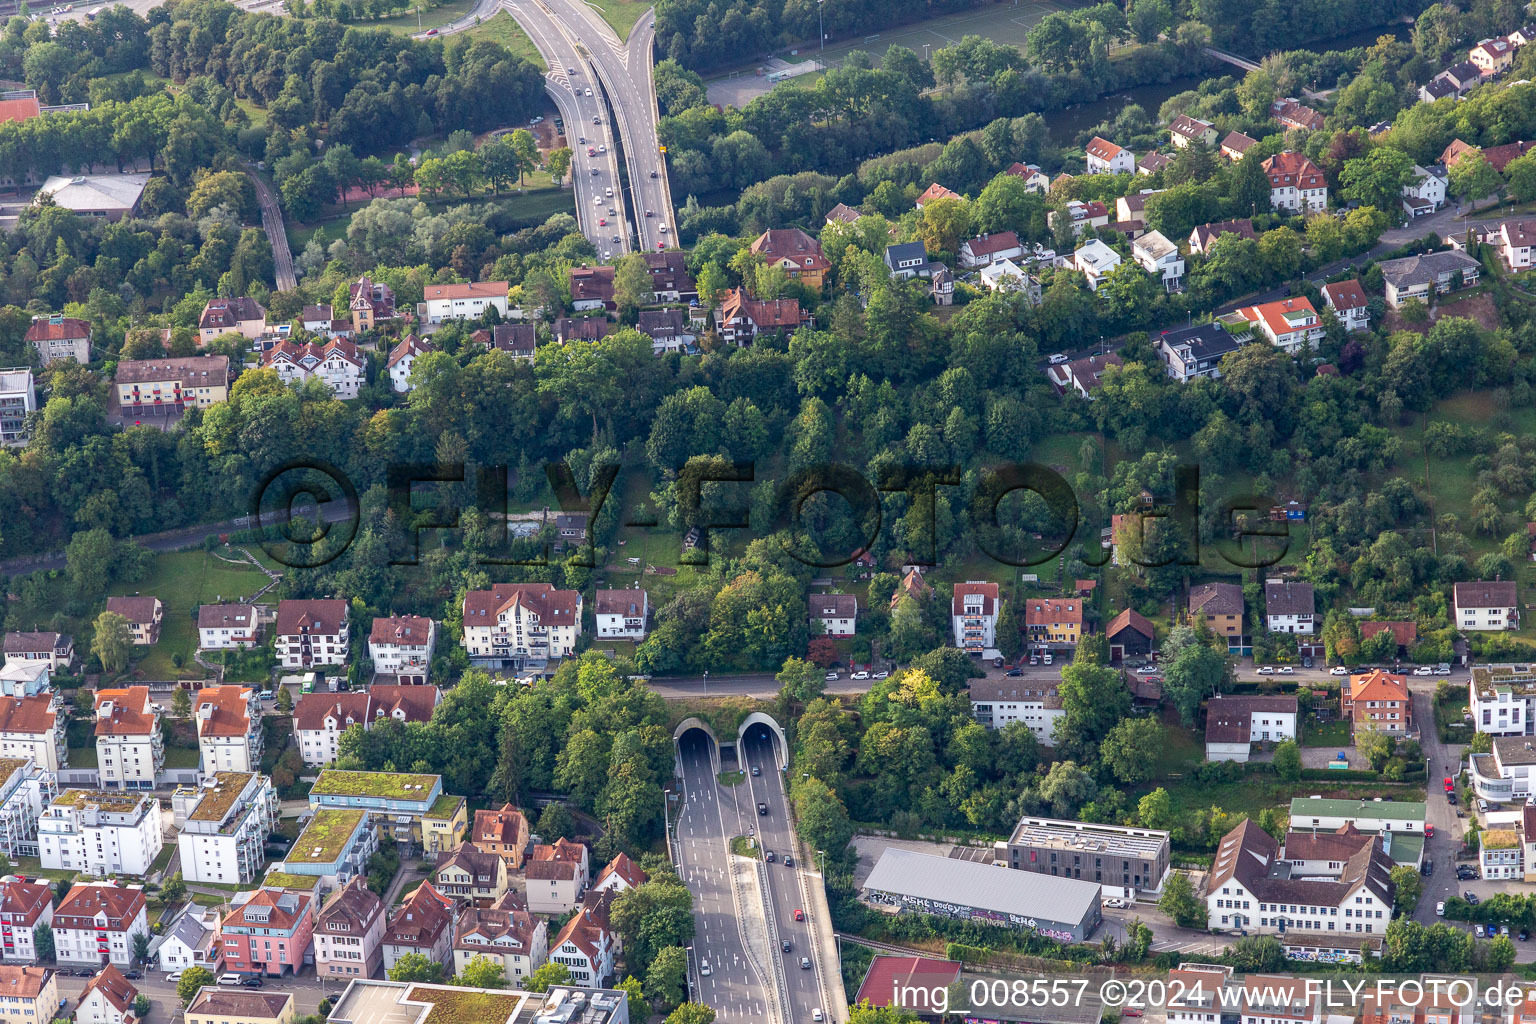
<point>1424,276</point>
<point>1485,606</point>
<point>996,703</point>
<point>191,941</point>
<point>401,358</point>
<point>989,248</point>
<point>1425,191</point>
<point>511,623</point>
<point>56,650</point>
<point>227,627</point>
<point>1516,242</point>
<point>1197,350</point>
<point>1234,724</point>
<point>1188,131</point>
<point>1347,300</point>
<point>621,614</point>
<point>1289,606</point>
<point>401,646</point>
<point>838,614</point>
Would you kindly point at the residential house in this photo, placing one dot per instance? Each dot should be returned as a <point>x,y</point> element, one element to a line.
<point>518,340</point>
<point>229,733</point>
<point>1347,300</point>
<point>1455,151</point>
<point>1484,606</point>
<point>100,833</point>
<point>912,585</point>
<point>1289,607</point>
<point>191,940</point>
<point>1235,144</point>
<point>796,252</point>
<point>996,703</point>
<point>336,363</point>
<point>1425,192</point>
<point>96,923</point>
<point>129,748</point>
<point>588,943</point>
<point>592,288</point>
<point>1498,854</point>
<point>504,833</point>
<point>18,400</point>
<point>471,874</point>
<point>1203,237</point>
<point>1251,887</point>
<point>320,320</point>
<point>370,303</point>
<point>334,847</point>
<point>581,328</point>
<point>837,614</point>
<point>842,214</point>
<point>1133,208</point>
<point>25,679</point>
<point>1504,775</point>
<point>25,791</point>
<point>56,650</point>
<point>1292,114</point>
<point>1290,324</point>
<point>214,1005</point>
<point>1050,620</point>
<point>669,330</point>
<point>504,932</point>
<point>1130,635</point>
<point>242,316</point>
<point>227,627</point>
<point>987,249</point>
<point>1516,242</point>
<point>412,809</point>
<point>33,727</point>
<point>570,530</point>
<point>401,358</point>
<point>446,302</point>
<point>1104,157</point>
<point>1424,276</point>
<point>669,277</point>
<point>1096,260</point>
<point>1083,215</point>
<point>269,931</point>
<point>557,874</point>
<point>401,646</point>
<point>908,260</point>
<point>1378,700</point>
<point>1197,350</point>
<point>312,633</point>
<point>143,615</point>
<point>1492,56</point>
<point>224,825</point>
<point>1186,131</point>
<point>618,875</point>
<point>23,906</point>
<point>349,933</point>
<point>320,719</point>
<point>1030,174</point>
<point>1377,816</point>
<point>1006,276</point>
<point>1083,375</point>
<point>1296,183</point>
<point>1152,163</point>
<point>513,622</point>
<point>935,191</point>
<point>106,999</point>
<point>172,385</point>
<point>1160,258</point>
<point>1280,999</point>
<point>740,317</point>
<point>31,994</point>
<point>973,615</point>
<point>1221,605</point>
<point>60,337</point>
<point>1454,82</point>
<point>1405,633</point>
<point>1234,724</point>
<point>423,924</point>
<point>621,614</point>
<point>1522,36</point>
<point>1503,699</point>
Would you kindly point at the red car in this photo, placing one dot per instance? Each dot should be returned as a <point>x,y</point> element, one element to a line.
<point>799,914</point>
<point>591,151</point>
<point>602,222</point>
<point>431,31</point>
<point>1429,831</point>
<point>1449,786</point>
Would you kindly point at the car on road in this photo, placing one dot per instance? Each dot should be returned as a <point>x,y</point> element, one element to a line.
<point>133,975</point>
<point>602,222</point>
<point>789,861</point>
<point>589,92</point>
<point>660,246</point>
<point>805,963</point>
<point>252,981</point>
<point>1338,670</point>
<point>832,677</point>
<point>1057,358</point>
<point>173,977</point>
<point>229,979</point>
<point>1286,670</point>
<point>1267,670</point>
<point>880,675</point>
<point>608,191</point>
<point>1440,909</point>
<point>859,675</point>
<point>615,239</point>
<point>768,856</point>
<point>786,945</point>
<point>1014,672</point>
<point>607,255</point>
<point>762,808</point>
<point>570,71</point>
<point>1146,670</point>
<point>756,771</point>
<point>663,229</point>
<point>799,914</point>
<point>650,213</point>
<point>1423,670</point>
<point>597,200</point>
<point>602,148</point>
<point>431,31</point>
<point>591,151</point>
<point>653,174</point>
<point>816,1015</point>
<point>704,968</point>
<point>1429,831</point>
<point>1449,785</point>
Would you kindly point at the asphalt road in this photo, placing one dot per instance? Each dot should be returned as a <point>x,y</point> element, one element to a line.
<point>709,817</point>
<point>803,984</point>
<point>578,96</point>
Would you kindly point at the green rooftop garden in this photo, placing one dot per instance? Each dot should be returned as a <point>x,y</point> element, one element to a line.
<point>118,803</point>
<point>1500,839</point>
<point>450,1006</point>
<point>326,836</point>
<point>386,785</point>
<point>444,806</point>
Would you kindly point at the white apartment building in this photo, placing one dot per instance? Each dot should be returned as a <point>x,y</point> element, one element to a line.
<point>312,633</point>
<point>621,614</point>
<point>100,833</point>
<point>226,627</point>
<point>1486,606</point>
<point>320,719</point>
<point>1160,258</point>
<point>999,702</point>
<point>401,358</point>
<point>34,727</point>
<point>224,823</point>
<point>1296,183</point>
<point>96,924</point>
<point>511,623</point>
<point>401,645</point>
<point>130,751</point>
<point>1104,157</point>
<point>18,398</point>
<point>557,877</point>
<point>588,943</point>
<point>464,301</point>
<point>1502,699</point>
<point>25,790</point>
<point>973,615</point>
<point>23,906</point>
<point>229,735</point>
<point>503,932</point>
<point>336,363</point>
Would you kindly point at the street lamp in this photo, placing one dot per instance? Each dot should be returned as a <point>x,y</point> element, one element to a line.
<point>706,682</point>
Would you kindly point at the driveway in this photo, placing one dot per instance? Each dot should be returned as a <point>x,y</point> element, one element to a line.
<point>1442,847</point>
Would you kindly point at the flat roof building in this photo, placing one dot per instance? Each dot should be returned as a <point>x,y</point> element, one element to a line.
<point>1111,855</point>
<point>1063,909</point>
<point>367,1001</point>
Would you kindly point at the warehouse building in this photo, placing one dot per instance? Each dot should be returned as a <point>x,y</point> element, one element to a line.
<point>1063,909</point>
<point>1128,858</point>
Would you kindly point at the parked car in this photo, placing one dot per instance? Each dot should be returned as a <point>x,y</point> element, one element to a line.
<point>880,675</point>
<point>1477,930</point>
<point>173,977</point>
<point>229,979</point>
<point>832,677</point>
<point>1147,670</point>
<point>1287,670</point>
<point>1429,831</point>
<point>1117,903</point>
<point>1440,909</point>
<point>1503,929</point>
<point>1525,933</point>
<point>252,981</point>
<point>859,675</point>
<point>1449,785</point>
<point>1046,658</point>
<point>1427,868</point>
<point>1057,358</point>
<point>1442,669</point>
<point>1338,670</point>
<point>1423,670</point>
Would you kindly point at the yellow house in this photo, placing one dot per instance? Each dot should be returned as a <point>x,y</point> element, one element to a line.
<point>31,993</point>
<point>214,1005</point>
<point>796,252</point>
<point>444,826</point>
<point>172,385</point>
<point>1053,620</point>
<point>1221,604</point>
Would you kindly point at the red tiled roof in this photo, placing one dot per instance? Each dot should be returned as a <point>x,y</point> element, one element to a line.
<point>354,905</point>
<point>554,607</point>
<point>1378,684</point>
<point>1293,170</point>
<point>137,610</point>
<point>131,714</point>
<point>791,244</point>
<point>410,345</point>
<point>24,902</point>
<point>310,713</point>
<point>479,289</point>
<point>293,352</point>
<point>227,314</point>
<point>1046,611</point>
<point>317,617</point>
<point>985,245</point>
<point>507,826</point>
<point>1499,157</point>
<point>1132,619</point>
<point>1345,294</point>
<point>226,616</point>
<point>1102,148</point>
<point>624,868</point>
<point>288,908</point>
<point>117,990</point>
<point>420,919</point>
<point>591,284</point>
<point>229,709</point>
<point>404,630</point>
<point>414,703</point>
<point>56,328</point>
<point>85,900</point>
<point>33,716</point>
<point>986,590</point>
<point>19,110</point>
<point>912,975</point>
<point>1273,315</point>
<point>935,191</point>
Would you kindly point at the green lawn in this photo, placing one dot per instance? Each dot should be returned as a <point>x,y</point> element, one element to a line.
<point>182,580</point>
<point>1251,795</point>
<point>180,757</point>
<point>621,14</point>
<point>503,29</point>
<point>1333,734</point>
<point>82,757</point>
<point>436,17</point>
